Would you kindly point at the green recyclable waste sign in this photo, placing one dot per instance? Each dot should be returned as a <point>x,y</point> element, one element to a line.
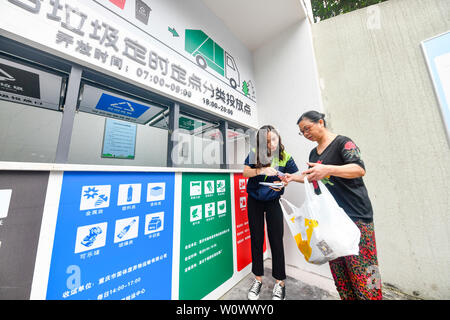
<point>206,249</point>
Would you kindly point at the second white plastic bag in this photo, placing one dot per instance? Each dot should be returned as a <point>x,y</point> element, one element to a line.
<point>322,229</point>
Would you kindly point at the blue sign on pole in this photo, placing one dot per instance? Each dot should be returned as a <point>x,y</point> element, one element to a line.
<point>114,237</point>
<point>120,106</point>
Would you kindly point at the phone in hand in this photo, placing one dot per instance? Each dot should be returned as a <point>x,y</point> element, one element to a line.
<point>280,174</point>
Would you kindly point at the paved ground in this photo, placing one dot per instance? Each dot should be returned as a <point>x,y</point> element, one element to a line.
<point>301,285</point>
<point>295,290</point>
<point>317,288</point>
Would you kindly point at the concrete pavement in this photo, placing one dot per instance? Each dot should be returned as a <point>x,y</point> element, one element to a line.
<point>302,285</point>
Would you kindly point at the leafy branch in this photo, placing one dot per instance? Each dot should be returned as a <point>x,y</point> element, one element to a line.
<point>324,9</point>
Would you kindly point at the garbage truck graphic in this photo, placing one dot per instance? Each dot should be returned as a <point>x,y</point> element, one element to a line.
<point>208,53</point>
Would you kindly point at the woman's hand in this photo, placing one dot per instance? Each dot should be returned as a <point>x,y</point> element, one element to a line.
<point>287,178</point>
<point>268,171</point>
<point>276,189</point>
<point>317,171</point>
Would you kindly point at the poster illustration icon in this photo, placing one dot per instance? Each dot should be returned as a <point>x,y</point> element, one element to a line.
<point>210,209</point>
<point>129,194</point>
<point>142,11</point>
<point>243,202</point>
<point>196,213</point>
<point>95,197</point>
<point>220,186</point>
<point>154,222</point>
<point>156,191</point>
<point>196,188</point>
<point>209,187</point>
<point>242,184</point>
<point>222,207</point>
<point>90,237</point>
<point>126,229</point>
<point>210,54</point>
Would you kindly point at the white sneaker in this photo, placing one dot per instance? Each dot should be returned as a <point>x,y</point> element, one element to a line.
<point>255,289</point>
<point>279,292</point>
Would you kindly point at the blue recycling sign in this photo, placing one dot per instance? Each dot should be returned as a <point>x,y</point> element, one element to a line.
<point>119,106</point>
<point>113,237</point>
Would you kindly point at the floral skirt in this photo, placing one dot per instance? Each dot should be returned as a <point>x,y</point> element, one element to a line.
<point>358,277</point>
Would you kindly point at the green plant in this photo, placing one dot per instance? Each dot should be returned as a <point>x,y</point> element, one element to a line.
<point>245,88</point>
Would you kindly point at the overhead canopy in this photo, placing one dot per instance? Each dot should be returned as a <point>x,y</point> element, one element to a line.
<point>254,22</point>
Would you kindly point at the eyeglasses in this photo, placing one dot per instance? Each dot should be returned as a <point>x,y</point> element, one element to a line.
<point>306,129</point>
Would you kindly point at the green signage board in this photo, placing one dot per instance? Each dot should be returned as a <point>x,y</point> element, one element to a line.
<point>189,124</point>
<point>206,248</point>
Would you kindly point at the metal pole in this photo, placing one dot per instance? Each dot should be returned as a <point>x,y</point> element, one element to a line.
<point>65,132</point>
<point>223,127</point>
<point>174,118</point>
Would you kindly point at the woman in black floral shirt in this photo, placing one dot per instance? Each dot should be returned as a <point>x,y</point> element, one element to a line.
<point>336,161</point>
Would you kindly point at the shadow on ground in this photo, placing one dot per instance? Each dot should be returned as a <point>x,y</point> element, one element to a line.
<point>295,289</point>
<point>298,290</point>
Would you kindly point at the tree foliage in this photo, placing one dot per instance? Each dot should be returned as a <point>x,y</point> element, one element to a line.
<point>324,9</point>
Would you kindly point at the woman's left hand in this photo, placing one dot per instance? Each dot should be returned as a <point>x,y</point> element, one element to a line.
<point>276,189</point>
<point>317,171</point>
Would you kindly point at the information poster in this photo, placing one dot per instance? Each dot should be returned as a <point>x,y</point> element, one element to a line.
<point>119,140</point>
<point>243,245</point>
<point>113,237</point>
<point>206,248</point>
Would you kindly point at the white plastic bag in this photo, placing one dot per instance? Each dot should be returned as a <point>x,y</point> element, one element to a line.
<point>322,229</point>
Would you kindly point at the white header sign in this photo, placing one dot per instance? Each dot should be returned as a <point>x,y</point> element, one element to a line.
<point>140,41</point>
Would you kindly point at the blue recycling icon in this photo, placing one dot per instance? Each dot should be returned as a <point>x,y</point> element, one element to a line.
<point>154,224</point>
<point>156,191</point>
<point>101,198</point>
<point>120,106</point>
<point>91,237</point>
<point>90,193</point>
